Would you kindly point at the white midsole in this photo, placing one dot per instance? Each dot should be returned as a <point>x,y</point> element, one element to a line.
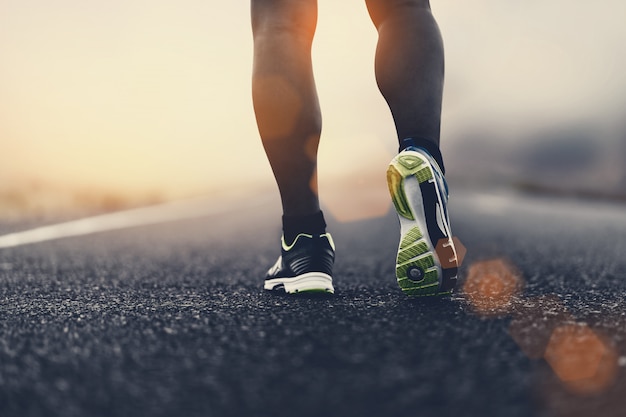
<point>311,281</point>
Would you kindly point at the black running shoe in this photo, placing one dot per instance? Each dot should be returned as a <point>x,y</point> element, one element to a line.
<point>305,266</point>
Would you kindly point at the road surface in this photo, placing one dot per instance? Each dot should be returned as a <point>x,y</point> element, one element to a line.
<point>169,318</point>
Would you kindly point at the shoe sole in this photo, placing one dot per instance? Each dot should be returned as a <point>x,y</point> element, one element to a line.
<point>311,282</point>
<point>418,268</point>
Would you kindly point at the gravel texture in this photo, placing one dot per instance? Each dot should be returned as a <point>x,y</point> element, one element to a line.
<point>171,320</point>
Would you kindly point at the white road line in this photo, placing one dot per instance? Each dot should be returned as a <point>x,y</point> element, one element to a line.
<point>161,213</point>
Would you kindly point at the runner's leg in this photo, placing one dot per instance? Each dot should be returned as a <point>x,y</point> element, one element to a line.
<point>410,73</point>
<point>285,98</point>
<point>410,66</point>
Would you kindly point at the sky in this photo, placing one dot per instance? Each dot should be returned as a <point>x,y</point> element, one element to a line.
<point>145,96</point>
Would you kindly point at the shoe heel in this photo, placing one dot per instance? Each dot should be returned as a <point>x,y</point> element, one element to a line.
<point>416,271</point>
<point>401,167</point>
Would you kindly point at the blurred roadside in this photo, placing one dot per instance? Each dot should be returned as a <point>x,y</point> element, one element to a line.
<point>573,161</point>
<point>39,202</point>
<point>103,109</point>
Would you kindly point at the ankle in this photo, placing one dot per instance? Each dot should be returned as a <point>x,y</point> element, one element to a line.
<point>426,144</point>
<point>313,224</point>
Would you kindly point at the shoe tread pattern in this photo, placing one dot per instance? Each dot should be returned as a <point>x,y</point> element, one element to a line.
<point>413,251</point>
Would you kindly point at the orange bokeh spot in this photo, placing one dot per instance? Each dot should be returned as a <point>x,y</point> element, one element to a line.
<point>353,186</point>
<point>310,147</point>
<point>356,198</point>
<point>491,286</point>
<point>313,182</point>
<point>584,362</point>
<point>533,322</point>
<point>278,106</point>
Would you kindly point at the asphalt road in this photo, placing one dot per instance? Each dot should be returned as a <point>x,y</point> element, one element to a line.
<point>171,320</point>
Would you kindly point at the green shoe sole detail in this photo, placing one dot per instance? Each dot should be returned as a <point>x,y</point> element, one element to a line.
<point>421,291</point>
<point>416,272</point>
<point>410,162</point>
<point>425,263</point>
<point>412,165</point>
<point>395,181</point>
<point>424,175</point>
<point>411,237</point>
<point>426,292</point>
<point>412,251</point>
<point>405,166</point>
<point>431,278</point>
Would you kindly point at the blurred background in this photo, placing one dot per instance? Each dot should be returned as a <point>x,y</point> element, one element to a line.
<point>109,105</point>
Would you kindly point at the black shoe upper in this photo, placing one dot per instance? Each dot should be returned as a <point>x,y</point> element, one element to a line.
<point>308,253</point>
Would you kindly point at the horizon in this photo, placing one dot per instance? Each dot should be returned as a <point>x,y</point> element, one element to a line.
<point>151,100</point>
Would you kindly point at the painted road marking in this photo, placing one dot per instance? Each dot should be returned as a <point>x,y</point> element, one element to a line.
<point>162,213</point>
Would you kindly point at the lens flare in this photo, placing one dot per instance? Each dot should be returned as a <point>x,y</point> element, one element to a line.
<point>351,199</point>
<point>582,360</point>
<point>491,286</point>
<point>313,184</point>
<point>354,187</point>
<point>534,320</point>
<point>311,145</point>
<point>280,103</point>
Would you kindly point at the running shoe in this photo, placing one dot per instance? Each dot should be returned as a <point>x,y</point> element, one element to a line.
<point>426,263</point>
<point>304,266</point>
